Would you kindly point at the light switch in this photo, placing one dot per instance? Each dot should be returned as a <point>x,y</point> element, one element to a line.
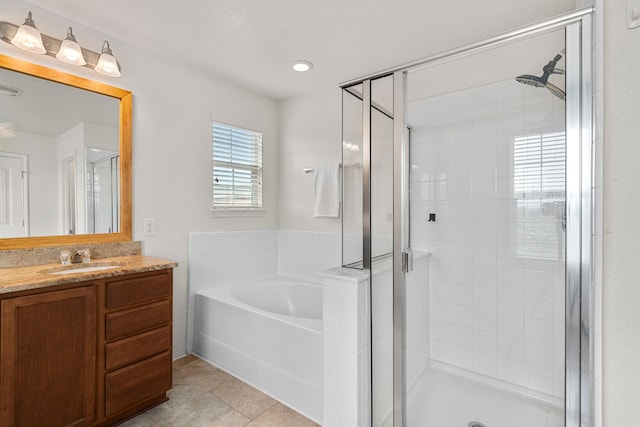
<point>633,13</point>
<point>149,227</point>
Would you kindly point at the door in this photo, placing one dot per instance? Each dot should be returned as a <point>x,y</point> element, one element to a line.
<point>104,199</point>
<point>480,288</point>
<point>495,323</point>
<point>47,359</point>
<point>13,195</point>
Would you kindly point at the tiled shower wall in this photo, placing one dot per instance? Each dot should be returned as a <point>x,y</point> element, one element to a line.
<point>497,292</point>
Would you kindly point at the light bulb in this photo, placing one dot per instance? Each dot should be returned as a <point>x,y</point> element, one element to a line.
<point>107,64</point>
<point>28,37</point>
<point>70,51</point>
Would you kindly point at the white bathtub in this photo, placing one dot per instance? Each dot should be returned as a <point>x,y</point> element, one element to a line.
<point>267,333</point>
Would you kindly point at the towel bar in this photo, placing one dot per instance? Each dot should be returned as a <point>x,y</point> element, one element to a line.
<point>309,170</point>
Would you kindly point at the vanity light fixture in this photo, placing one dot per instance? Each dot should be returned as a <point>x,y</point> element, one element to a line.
<point>302,65</point>
<point>28,37</point>
<point>70,51</point>
<point>107,64</point>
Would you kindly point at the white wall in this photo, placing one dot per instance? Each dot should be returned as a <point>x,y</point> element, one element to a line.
<point>172,107</point>
<point>621,234</point>
<point>99,136</point>
<point>172,162</point>
<point>310,134</point>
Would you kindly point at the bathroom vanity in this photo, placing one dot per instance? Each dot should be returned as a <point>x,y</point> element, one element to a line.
<point>87,344</point>
<point>84,348</point>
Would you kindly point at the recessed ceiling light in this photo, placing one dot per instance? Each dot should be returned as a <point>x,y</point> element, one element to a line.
<point>302,66</point>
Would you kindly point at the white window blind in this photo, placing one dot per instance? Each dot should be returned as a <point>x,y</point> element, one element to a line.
<point>539,166</point>
<point>237,168</point>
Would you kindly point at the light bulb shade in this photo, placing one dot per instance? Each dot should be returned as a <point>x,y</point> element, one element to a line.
<point>107,63</point>
<point>28,37</point>
<point>70,51</point>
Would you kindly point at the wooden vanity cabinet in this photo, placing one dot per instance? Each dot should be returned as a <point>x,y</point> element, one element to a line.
<point>135,323</point>
<point>93,354</point>
<point>48,358</point>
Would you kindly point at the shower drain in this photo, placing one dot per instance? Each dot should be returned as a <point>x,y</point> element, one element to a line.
<point>476,424</point>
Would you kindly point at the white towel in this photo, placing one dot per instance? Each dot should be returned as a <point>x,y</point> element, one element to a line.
<point>326,191</point>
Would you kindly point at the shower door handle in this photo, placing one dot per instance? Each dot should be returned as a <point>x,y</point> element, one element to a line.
<point>407,261</point>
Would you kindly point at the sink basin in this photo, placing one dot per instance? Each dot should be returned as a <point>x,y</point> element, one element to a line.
<point>85,269</point>
<point>80,268</point>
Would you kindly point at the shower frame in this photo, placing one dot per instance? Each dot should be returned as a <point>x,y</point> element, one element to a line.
<point>579,255</point>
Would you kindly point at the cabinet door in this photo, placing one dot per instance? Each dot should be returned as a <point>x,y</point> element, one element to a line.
<point>47,359</point>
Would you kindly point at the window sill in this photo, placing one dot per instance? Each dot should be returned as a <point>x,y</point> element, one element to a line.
<point>231,212</point>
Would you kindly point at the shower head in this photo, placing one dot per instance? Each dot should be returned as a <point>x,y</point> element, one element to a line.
<point>530,80</point>
<point>543,80</point>
<point>556,91</point>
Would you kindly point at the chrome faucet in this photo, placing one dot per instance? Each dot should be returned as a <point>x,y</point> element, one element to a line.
<point>80,256</point>
<point>76,258</point>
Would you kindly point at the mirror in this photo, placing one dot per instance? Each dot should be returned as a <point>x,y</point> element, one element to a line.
<point>65,158</point>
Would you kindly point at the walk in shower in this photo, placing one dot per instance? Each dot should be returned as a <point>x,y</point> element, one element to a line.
<point>103,193</point>
<point>471,208</point>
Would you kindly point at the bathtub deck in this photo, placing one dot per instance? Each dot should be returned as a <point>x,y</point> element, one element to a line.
<point>204,395</point>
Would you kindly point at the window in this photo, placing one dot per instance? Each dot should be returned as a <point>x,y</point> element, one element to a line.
<point>237,168</point>
<point>539,193</point>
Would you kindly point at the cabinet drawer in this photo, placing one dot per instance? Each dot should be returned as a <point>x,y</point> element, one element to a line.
<point>138,290</point>
<point>138,347</point>
<point>128,322</point>
<point>134,384</point>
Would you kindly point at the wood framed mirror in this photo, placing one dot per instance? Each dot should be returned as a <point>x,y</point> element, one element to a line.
<point>85,227</point>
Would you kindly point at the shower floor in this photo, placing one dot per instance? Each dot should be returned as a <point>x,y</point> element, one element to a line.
<point>440,398</point>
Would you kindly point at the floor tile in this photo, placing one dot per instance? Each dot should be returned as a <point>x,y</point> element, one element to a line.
<point>241,396</point>
<point>193,372</point>
<point>280,416</point>
<point>206,396</point>
<point>230,419</point>
<point>184,360</point>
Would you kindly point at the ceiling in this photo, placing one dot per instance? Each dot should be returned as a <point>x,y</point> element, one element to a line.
<point>252,43</point>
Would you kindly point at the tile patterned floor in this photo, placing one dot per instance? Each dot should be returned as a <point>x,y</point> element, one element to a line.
<point>204,395</point>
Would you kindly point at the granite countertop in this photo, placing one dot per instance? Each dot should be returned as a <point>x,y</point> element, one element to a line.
<point>16,279</point>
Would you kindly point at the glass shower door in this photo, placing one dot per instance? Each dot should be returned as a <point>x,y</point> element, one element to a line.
<point>382,214</point>
<point>488,194</point>
<point>475,200</point>
<point>368,224</point>
<point>104,196</point>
